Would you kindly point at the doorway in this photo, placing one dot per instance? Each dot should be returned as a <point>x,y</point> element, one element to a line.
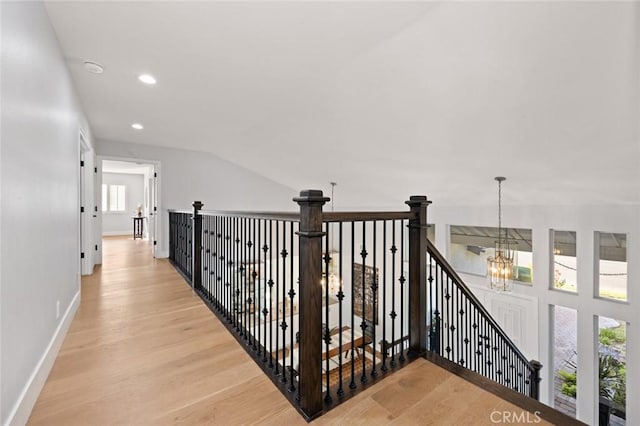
<point>128,195</point>
<point>86,197</point>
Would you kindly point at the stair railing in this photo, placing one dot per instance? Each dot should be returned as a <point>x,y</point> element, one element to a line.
<point>462,331</point>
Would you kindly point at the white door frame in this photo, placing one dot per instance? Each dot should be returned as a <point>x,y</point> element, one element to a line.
<point>86,206</point>
<point>155,243</point>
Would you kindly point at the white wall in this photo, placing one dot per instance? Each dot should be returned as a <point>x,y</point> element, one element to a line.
<point>186,176</point>
<point>120,223</point>
<point>584,220</point>
<point>40,209</point>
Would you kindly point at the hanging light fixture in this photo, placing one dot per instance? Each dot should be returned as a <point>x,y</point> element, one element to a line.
<point>500,267</point>
<point>333,280</point>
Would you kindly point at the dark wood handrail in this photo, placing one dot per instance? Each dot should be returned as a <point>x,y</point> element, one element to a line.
<point>365,216</point>
<point>433,252</point>
<point>287,216</point>
<point>295,216</point>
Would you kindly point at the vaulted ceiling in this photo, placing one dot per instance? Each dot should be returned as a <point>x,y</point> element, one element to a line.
<point>386,98</point>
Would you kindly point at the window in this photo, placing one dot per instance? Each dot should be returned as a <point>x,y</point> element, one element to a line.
<point>612,265</point>
<point>563,260</point>
<point>612,369</point>
<point>431,233</point>
<point>565,359</point>
<point>113,198</point>
<point>472,245</point>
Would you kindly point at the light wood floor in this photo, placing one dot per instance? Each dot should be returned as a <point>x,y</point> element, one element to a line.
<point>143,349</point>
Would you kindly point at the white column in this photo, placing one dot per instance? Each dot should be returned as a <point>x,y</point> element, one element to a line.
<point>587,393</point>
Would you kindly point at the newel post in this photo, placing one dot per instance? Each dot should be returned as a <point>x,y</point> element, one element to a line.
<point>196,246</point>
<point>310,297</point>
<point>418,275</point>
<point>535,379</point>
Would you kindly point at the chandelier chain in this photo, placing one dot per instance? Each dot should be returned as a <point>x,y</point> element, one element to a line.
<point>500,214</point>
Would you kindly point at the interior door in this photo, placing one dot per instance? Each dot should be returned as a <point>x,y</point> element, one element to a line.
<point>153,209</point>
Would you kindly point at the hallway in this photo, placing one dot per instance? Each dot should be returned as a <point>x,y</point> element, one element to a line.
<point>142,349</point>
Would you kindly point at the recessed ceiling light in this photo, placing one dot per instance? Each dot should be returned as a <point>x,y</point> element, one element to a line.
<point>137,126</point>
<point>93,67</point>
<point>147,79</point>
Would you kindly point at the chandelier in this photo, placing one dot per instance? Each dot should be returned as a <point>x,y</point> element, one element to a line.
<point>500,267</point>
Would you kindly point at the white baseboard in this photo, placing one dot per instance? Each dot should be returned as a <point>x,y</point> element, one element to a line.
<point>162,254</point>
<point>21,411</point>
<point>114,233</point>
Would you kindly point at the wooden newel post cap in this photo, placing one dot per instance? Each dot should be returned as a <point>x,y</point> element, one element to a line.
<point>417,200</point>
<point>309,196</point>
<point>197,205</point>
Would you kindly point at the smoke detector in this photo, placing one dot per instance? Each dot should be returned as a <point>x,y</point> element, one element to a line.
<point>93,67</point>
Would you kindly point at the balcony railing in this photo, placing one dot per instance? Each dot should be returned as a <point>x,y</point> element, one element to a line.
<point>328,303</point>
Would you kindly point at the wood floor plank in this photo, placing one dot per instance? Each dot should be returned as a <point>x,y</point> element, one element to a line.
<point>144,350</point>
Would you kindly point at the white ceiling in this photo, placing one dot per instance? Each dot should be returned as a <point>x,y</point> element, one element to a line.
<point>386,98</point>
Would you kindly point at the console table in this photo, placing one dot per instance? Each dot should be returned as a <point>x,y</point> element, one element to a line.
<point>138,226</point>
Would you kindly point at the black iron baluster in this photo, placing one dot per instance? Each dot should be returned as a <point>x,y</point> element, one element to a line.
<point>512,376</point>
<point>441,290</point>
<point>221,260</point>
<point>213,274</point>
<point>283,325</point>
<point>402,280</point>
<point>254,275</point>
<point>340,298</point>
<point>204,262</point>
<point>258,273</point>
<point>229,269</point>
<point>499,359</point>
<point>459,326</point>
<point>487,355</point>
<point>326,332</point>
<point>495,350</point>
<point>384,297</point>
<point>276,253</point>
<point>474,342</point>
<point>447,298</point>
<point>488,350</point>
<point>225,268</point>
<point>363,324</point>
<point>431,301</point>
<point>208,259</point>
<point>270,283</point>
<point>374,290</point>
<point>454,322</point>
<point>470,321</point>
<point>249,278</point>
<point>436,286</point>
<point>243,277</point>
<point>352,384</point>
<point>292,293</point>
<point>213,266</point>
<point>483,358</point>
<point>211,259</point>
<point>236,276</point>
<point>221,265</point>
<point>393,314</point>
